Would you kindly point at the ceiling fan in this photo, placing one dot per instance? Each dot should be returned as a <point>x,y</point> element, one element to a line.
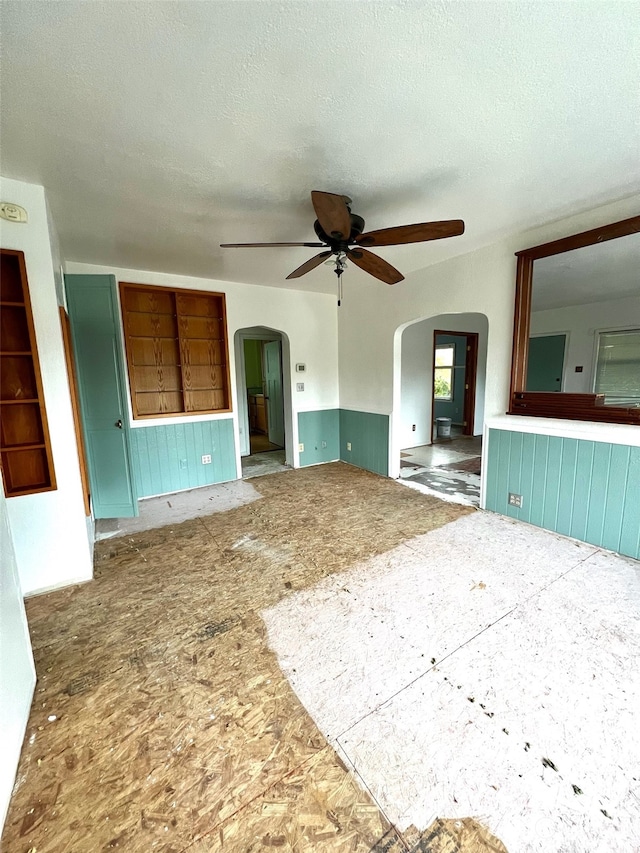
<point>341,233</point>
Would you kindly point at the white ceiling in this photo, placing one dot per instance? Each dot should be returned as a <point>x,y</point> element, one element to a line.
<point>163,129</point>
<point>596,273</point>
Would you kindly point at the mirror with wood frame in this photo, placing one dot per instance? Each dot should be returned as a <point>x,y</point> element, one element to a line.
<point>576,342</point>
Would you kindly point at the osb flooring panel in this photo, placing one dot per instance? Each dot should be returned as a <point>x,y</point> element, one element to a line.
<point>174,727</point>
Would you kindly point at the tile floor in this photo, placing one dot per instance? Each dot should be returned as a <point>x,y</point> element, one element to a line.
<point>422,468</point>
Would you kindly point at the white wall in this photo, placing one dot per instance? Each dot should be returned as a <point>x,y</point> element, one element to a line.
<point>581,323</point>
<point>49,530</point>
<point>480,282</point>
<point>307,319</point>
<point>17,672</point>
<point>417,372</point>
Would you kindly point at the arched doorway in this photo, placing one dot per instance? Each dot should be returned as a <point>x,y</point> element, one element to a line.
<point>264,400</point>
<point>439,382</point>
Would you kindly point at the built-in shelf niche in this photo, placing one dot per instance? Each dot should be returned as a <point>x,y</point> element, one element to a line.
<point>25,447</point>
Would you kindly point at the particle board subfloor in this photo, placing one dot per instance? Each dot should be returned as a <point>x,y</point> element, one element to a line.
<point>162,721</point>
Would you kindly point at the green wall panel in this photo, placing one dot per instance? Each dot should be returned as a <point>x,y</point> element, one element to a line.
<point>169,458</point>
<point>586,489</point>
<point>253,365</point>
<point>369,438</point>
<point>314,430</point>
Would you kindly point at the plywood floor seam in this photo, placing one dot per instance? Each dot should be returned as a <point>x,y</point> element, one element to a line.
<point>162,720</point>
<point>526,718</point>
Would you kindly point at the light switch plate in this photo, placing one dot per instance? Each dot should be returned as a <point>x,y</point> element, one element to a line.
<point>300,386</point>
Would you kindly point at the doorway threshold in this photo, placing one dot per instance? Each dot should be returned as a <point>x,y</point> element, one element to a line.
<point>259,464</point>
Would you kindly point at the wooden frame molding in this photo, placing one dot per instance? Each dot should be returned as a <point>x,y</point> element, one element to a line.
<point>582,407</point>
<point>177,351</point>
<point>75,405</point>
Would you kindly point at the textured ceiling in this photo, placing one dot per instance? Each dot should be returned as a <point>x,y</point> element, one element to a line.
<point>162,129</point>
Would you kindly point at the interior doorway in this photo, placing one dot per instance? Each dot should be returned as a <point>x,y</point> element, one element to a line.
<point>261,358</point>
<point>455,366</point>
<point>263,389</point>
<point>546,362</point>
<point>440,372</point>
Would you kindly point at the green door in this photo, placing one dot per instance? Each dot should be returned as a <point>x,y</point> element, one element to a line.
<point>275,401</point>
<point>546,362</point>
<point>93,313</point>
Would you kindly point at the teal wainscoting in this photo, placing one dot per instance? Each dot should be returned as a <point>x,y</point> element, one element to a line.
<point>368,435</point>
<point>169,458</point>
<point>586,489</point>
<point>319,431</point>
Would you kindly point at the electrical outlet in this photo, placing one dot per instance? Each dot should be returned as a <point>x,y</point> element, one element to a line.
<point>206,459</point>
<point>348,445</point>
<point>299,386</point>
<point>413,427</point>
<point>301,447</point>
<point>324,444</point>
<point>183,464</point>
<point>515,500</point>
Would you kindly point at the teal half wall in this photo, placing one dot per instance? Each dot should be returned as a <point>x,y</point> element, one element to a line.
<point>319,432</point>
<point>368,437</point>
<point>169,458</point>
<point>589,490</point>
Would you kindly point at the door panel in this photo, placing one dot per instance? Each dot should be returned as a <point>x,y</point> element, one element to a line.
<point>546,363</point>
<point>275,401</point>
<point>96,337</point>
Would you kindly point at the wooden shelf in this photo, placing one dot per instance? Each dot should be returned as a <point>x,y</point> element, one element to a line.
<point>25,447</point>
<point>176,347</point>
<point>11,448</point>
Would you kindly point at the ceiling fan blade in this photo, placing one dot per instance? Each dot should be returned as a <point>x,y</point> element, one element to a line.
<point>374,265</point>
<point>412,233</point>
<point>309,265</point>
<point>333,214</point>
<point>263,245</point>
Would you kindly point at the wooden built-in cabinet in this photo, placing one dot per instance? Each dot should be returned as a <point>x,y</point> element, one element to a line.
<point>25,447</point>
<point>177,355</point>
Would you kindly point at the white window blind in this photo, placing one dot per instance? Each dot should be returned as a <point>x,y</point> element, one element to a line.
<point>618,367</point>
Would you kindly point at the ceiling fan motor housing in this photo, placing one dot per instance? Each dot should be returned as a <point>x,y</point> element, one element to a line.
<point>357,227</point>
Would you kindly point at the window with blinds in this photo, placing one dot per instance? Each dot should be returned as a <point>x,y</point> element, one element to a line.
<point>618,367</point>
<point>177,353</point>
